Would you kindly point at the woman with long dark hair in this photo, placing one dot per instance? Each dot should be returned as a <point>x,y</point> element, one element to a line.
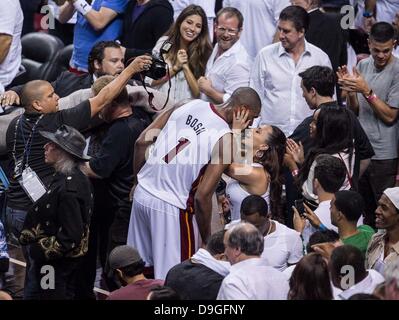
<point>332,132</point>
<point>262,175</point>
<point>310,279</point>
<point>188,55</point>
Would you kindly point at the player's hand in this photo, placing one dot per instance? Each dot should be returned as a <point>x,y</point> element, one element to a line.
<point>240,119</point>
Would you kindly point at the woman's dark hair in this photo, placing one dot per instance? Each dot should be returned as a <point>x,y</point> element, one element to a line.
<point>200,49</point>
<point>333,135</point>
<point>310,279</point>
<point>272,161</point>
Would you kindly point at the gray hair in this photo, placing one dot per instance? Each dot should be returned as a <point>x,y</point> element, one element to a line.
<point>246,237</point>
<point>66,163</point>
<point>391,273</point>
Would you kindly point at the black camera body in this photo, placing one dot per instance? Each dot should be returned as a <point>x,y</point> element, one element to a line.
<point>157,69</point>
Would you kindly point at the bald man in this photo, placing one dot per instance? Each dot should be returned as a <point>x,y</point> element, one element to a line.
<point>31,175</point>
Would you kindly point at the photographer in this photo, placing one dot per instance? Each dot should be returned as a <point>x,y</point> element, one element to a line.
<point>114,161</point>
<point>188,56</point>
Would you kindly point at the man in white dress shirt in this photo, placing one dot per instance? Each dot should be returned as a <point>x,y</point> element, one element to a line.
<point>275,73</point>
<point>260,21</point>
<point>229,66</point>
<point>249,278</point>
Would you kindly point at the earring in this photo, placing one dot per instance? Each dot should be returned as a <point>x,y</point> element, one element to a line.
<point>259,154</point>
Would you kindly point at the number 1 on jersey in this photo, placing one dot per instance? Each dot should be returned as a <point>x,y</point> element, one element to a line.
<point>183,143</point>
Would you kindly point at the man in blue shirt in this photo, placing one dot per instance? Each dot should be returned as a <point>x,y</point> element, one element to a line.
<point>98,20</point>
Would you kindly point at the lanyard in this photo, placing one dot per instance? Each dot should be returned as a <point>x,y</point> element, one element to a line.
<point>27,143</point>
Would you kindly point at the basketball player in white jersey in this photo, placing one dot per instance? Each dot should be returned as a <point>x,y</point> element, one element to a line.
<point>193,147</point>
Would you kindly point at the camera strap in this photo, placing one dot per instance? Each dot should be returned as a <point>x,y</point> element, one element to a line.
<point>151,95</point>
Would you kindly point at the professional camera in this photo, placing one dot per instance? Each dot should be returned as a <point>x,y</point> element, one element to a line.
<point>158,67</point>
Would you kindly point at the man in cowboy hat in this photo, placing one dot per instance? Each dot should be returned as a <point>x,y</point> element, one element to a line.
<point>56,227</point>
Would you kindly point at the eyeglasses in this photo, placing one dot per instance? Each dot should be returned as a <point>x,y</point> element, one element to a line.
<point>230,32</point>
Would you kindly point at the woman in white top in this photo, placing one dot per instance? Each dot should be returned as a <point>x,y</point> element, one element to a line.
<point>331,129</point>
<point>262,175</point>
<point>188,55</point>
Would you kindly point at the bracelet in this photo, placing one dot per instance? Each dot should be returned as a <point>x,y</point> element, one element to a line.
<point>295,172</point>
<point>367,14</point>
<point>371,96</point>
<point>82,6</point>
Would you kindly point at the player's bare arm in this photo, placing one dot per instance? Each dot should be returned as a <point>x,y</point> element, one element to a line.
<point>221,158</point>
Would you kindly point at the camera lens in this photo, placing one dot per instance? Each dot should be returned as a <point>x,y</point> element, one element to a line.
<point>157,69</point>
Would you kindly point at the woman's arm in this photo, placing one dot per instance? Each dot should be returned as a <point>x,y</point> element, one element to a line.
<point>247,175</point>
<point>192,82</point>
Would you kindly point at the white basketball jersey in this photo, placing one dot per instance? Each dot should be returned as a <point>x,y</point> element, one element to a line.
<point>181,152</point>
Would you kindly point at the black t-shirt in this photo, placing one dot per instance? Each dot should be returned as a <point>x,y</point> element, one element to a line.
<point>194,281</point>
<point>362,145</point>
<point>77,117</point>
<point>114,161</point>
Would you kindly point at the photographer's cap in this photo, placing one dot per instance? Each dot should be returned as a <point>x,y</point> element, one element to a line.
<point>123,256</point>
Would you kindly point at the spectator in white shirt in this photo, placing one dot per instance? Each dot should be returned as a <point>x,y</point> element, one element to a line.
<point>275,73</point>
<point>249,278</point>
<point>348,273</point>
<point>329,175</point>
<point>11,22</point>
<point>229,66</point>
<point>260,21</point>
<point>282,245</point>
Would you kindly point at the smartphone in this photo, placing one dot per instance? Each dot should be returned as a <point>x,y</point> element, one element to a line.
<point>299,206</point>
